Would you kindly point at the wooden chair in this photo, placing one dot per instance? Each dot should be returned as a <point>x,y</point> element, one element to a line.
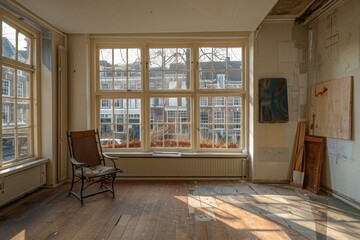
<point>88,164</point>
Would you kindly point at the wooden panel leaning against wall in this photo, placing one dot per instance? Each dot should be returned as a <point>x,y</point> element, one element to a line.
<point>331,108</point>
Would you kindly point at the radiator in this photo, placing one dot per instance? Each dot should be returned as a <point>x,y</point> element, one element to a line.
<point>21,182</point>
<point>184,167</point>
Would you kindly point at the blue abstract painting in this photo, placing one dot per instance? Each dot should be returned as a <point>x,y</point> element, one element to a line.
<point>273,100</point>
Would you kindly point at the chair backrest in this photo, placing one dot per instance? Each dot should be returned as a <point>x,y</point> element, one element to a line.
<point>84,147</point>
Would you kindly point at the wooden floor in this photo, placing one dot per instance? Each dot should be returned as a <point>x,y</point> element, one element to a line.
<point>181,210</point>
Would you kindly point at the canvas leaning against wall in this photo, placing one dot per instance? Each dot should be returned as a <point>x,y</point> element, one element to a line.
<point>273,100</point>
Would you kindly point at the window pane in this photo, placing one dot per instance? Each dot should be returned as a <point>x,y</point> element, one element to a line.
<point>234,136</point>
<point>169,68</point>
<point>134,136</point>
<point>134,68</point>
<point>8,82</point>
<point>23,113</point>
<point>24,47</point>
<point>107,135</point>
<point>120,69</point>
<point>220,122</point>
<point>183,80</point>
<point>134,59</point>
<point>8,41</point>
<point>106,81</point>
<point>106,69</point>
<point>8,110</point>
<point>105,59</point>
<point>155,60</point>
<point>120,59</point>
<point>23,84</point>
<point>134,80</point>
<point>170,59</point>
<point>120,123</point>
<point>120,66</point>
<point>106,110</point>
<point>220,138</point>
<point>220,68</point>
<point>8,145</point>
<point>24,140</point>
<point>206,136</point>
<point>206,59</point>
<point>184,58</point>
<point>170,122</point>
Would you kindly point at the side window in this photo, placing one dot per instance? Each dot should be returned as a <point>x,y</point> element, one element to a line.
<point>17,100</point>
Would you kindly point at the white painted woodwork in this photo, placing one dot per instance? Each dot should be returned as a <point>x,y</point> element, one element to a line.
<point>16,185</point>
<point>62,102</point>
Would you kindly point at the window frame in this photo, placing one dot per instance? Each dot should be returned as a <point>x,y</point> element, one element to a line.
<point>224,92</point>
<point>194,92</point>
<point>30,67</point>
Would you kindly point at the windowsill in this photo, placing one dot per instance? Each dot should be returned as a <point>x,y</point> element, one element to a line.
<point>177,154</point>
<point>11,168</point>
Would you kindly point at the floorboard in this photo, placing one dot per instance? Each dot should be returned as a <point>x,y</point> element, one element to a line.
<point>180,209</point>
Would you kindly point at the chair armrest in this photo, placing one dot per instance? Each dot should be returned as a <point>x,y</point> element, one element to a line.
<point>112,159</point>
<point>78,164</point>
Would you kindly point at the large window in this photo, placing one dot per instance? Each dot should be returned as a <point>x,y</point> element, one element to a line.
<point>17,69</point>
<point>179,98</point>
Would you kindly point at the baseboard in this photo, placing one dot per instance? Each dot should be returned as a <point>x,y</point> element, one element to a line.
<point>341,197</point>
<point>270,181</point>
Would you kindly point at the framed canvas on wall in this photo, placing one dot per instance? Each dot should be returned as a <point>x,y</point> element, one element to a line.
<point>273,100</point>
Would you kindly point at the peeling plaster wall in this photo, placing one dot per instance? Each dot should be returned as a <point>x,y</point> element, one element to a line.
<point>280,51</point>
<point>334,52</point>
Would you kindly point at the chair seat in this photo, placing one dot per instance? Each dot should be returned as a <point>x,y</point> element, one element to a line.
<point>96,171</point>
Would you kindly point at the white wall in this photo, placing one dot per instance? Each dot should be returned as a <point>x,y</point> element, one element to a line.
<point>79,82</point>
<point>280,52</point>
<point>334,52</point>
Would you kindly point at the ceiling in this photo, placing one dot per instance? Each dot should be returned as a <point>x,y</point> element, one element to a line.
<point>290,7</point>
<point>159,16</point>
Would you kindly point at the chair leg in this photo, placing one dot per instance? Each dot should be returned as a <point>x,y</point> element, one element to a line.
<point>102,184</point>
<point>72,184</point>
<point>113,176</point>
<point>81,192</point>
